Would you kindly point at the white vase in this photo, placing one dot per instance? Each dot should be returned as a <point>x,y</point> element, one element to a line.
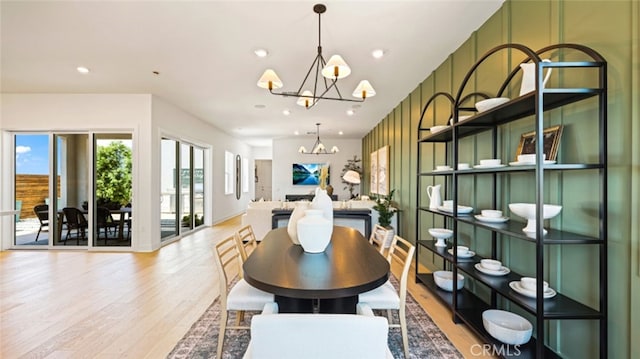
<point>292,227</point>
<point>323,202</point>
<point>314,231</point>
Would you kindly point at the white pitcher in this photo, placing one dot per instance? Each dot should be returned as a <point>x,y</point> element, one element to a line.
<point>435,200</point>
<point>529,77</point>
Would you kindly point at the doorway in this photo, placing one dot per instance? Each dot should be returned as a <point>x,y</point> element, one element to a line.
<point>263,179</point>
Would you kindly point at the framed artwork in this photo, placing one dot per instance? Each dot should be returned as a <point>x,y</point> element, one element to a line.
<point>373,186</point>
<point>551,142</point>
<point>383,171</point>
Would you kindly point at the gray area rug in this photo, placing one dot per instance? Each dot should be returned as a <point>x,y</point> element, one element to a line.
<point>426,340</point>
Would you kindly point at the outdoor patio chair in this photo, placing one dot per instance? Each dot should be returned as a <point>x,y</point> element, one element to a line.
<point>42,212</point>
<point>104,221</point>
<point>75,221</point>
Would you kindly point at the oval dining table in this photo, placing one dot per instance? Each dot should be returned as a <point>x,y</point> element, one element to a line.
<point>331,280</point>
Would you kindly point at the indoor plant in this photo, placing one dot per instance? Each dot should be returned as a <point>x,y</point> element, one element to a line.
<point>385,213</point>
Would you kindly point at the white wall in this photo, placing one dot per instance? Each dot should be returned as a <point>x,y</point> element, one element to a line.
<point>285,153</point>
<point>147,118</point>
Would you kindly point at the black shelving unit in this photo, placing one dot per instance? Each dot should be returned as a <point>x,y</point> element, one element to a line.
<point>466,307</point>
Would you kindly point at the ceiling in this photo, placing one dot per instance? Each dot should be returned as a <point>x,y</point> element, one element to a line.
<point>204,54</point>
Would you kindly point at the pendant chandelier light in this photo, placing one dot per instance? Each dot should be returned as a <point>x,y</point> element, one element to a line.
<point>318,148</point>
<point>327,73</point>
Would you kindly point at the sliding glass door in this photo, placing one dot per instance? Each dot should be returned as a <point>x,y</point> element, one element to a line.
<point>181,188</point>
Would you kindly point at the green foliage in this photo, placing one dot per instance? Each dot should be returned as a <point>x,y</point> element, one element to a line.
<point>385,211</point>
<point>113,173</point>
<point>186,220</point>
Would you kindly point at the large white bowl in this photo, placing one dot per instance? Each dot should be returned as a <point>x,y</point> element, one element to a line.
<point>528,211</point>
<point>444,280</point>
<point>490,103</point>
<point>440,233</point>
<point>507,327</point>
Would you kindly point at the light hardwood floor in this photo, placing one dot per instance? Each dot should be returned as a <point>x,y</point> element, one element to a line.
<point>79,304</point>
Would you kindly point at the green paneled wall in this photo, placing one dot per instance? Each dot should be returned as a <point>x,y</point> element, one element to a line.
<point>609,27</point>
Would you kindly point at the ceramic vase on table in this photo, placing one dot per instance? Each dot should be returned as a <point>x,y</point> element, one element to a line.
<point>314,231</point>
<point>323,202</point>
<point>292,227</point>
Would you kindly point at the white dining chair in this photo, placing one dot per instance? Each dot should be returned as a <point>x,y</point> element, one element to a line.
<point>318,336</point>
<point>242,296</point>
<point>247,241</point>
<point>386,296</point>
<point>378,237</point>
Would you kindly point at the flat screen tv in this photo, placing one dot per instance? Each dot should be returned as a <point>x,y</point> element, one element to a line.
<point>307,174</point>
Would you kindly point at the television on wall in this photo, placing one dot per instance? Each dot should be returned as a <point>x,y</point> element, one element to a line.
<point>307,174</point>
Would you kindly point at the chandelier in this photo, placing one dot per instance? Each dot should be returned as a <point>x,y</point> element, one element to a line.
<point>318,148</point>
<point>326,73</point>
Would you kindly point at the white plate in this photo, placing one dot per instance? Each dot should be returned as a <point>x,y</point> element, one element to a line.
<point>436,129</point>
<point>502,271</point>
<point>515,285</point>
<point>448,169</point>
<point>468,255</point>
<point>529,163</point>
<point>488,166</point>
<point>461,209</point>
<point>482,218</point>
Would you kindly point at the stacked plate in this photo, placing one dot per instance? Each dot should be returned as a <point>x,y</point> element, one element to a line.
<point>527,287</point>
<point>492,267</point>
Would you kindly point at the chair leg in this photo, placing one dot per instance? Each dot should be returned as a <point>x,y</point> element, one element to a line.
<point>239,317</point>
<point>223,327</point>
<point>38,235</point>
<point>403,329</point>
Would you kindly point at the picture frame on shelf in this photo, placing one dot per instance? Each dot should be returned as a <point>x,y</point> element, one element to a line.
<point>551,142</point>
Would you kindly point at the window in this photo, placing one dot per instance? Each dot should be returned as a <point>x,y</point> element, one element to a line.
<point>229,165</point>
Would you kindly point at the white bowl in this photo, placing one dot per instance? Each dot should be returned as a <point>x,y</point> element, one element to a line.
<point>490,103</point>
<point>491,162</point>
<point>447,203</point>
<point>460,119</point>
<point>529,283</point>
<point>463,166</point>
<point>440,233</point>
<point>507,327</point>
<point>436,129</point>
<point>444,280</point>
<point>491,213</point>
<point>442,168</point>
<point>491,264</point>
<point>528,211</point>
<point>462,250</point>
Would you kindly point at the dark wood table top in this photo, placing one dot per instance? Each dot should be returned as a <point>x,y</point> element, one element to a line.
<point>349,266</point>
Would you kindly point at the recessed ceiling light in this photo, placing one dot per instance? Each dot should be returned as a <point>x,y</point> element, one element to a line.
<point>82,70</point>
<point>350,112</point>
<point>286,112</point>
<point>261,52</point>
<point>259,106</point>
<point>296,133</point>
<point>377,53</point>
<point>341,133</point>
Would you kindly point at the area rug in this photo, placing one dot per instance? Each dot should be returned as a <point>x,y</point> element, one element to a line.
<point>426,340</point>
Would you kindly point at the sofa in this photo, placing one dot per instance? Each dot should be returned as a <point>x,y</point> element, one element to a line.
<point>259,215</point>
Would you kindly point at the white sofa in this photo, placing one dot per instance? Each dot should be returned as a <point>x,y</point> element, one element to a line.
<point>310,336</point>
<point>259,216</point>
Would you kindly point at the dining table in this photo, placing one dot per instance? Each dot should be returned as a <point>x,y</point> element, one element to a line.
<point>123,213</point>
<point>326,282</point>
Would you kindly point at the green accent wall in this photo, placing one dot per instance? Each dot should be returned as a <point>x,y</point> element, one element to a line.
<point>611,28</point>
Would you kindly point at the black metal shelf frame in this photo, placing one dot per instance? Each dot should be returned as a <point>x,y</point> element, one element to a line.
<point>462,303</point>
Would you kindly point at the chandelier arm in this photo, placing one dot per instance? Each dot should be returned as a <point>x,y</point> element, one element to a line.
<point>292,94</point>
<point>314,63</point>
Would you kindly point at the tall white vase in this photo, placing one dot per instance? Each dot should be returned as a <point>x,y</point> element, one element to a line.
<point>314,231</point>
<point>323,202</point>
<point>292,227</point>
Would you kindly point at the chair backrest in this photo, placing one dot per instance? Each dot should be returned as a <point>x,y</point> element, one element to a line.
<point>103,216</point>
<point>246,242</point>
<point>294,336</point>
<point>401,251</point>
<point>378,236</point>
<point>42,212</point>
<point>228,263</point>
<point>74,216</point>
